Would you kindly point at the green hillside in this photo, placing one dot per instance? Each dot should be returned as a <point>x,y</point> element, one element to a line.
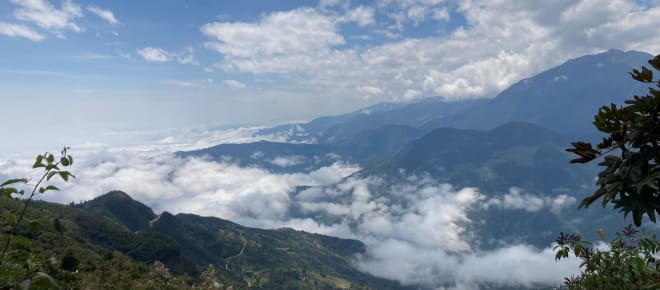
<point>115,236</point>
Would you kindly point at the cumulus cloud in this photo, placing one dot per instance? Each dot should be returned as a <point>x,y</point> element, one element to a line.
<point>299,31</point>
<point>154,54</point>
<point>46,16</point>
<point>235,84</point>
<point>19,30</point>
<point>187,56</point>
<point>370,90</point>
<point>104,14</point>
<point>362,15</point>
<point>500,43</point>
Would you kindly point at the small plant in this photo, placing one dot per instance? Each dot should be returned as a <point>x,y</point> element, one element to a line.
<point>627,262</point>
<point>19,271</point>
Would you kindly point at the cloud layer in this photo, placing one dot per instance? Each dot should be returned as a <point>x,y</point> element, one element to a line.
<point>417,231</point>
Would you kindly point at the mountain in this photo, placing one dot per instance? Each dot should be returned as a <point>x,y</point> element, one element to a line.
<point>186,244</point>
<point>529,189</point>
<point>512,155</point>
<point>564,98</point>
<point>121,207</point>
<point>367,147</point>
<point>274,156</point>
<point>340,128</point>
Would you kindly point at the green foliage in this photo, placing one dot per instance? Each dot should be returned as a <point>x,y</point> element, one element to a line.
<point>630,180</point>
<point>19,267</point>
<point>627,262</point>
<point>69,262</point>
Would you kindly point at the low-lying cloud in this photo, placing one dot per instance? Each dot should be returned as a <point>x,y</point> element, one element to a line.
<point>418,231</point>
<point>516,198</point>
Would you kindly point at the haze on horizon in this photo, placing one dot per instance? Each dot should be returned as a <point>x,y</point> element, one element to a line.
<point>75,70</point>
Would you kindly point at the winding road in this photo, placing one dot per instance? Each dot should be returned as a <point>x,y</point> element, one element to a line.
<point>235,256</point>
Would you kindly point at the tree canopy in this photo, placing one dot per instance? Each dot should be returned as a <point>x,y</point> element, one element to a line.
<point>630,151</point>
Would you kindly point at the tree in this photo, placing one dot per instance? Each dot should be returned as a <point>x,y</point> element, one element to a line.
<point>627,262</point>
<point>15,269</point>
<point>630,151</point>
<point>629,181</point>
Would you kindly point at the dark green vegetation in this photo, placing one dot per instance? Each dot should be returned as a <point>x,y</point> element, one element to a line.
<point>629,262</point>
<point>113,241</point>
<point>629,182</point>
<point>18,266</point>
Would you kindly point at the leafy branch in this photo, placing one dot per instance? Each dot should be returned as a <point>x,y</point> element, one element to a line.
<point>51,168</point>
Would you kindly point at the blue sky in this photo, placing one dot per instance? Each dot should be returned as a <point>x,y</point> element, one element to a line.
<point>139,65</point>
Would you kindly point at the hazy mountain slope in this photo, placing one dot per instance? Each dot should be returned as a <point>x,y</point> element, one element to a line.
<point>274,156</point>
<point>340,128</point>
<point>514,154</point>
<point>564,98</point>
<point>361,148</point>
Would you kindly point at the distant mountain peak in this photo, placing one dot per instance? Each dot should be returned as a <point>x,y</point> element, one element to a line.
<point>563,98</point>
<point>121,207</point>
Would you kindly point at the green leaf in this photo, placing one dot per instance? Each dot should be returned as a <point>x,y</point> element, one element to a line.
<point>65,175</point>
<point>38,162</point>
<point>44,281</point>
<point>8,191</point>
<point>25,284</point>
<point>13,181</point>
<point>50,158</point>
<point>47,188</point>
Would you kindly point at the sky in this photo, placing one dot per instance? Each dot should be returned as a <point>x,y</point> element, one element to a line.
<point>72,69</point>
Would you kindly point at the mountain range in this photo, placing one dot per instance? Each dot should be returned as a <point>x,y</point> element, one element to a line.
<point>511,148</point>
<point>514,140</point>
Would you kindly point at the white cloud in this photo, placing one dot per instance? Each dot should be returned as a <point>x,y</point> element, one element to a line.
<point>298,32</point>
<point>104,14</point>
<point>187,57</point>
<point>287,161</point>
<point>416,231</point>
<point>362,15</point>
<point>46,16</point>
<point>411,95</point>
<point>501,43</point>
<point>506,267</point>
<point>235,84</point>
<point>370,90</point>
<point>155,54</point>
<point>182,83</point>
<point>517,199</point>
<point>19,30</point>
